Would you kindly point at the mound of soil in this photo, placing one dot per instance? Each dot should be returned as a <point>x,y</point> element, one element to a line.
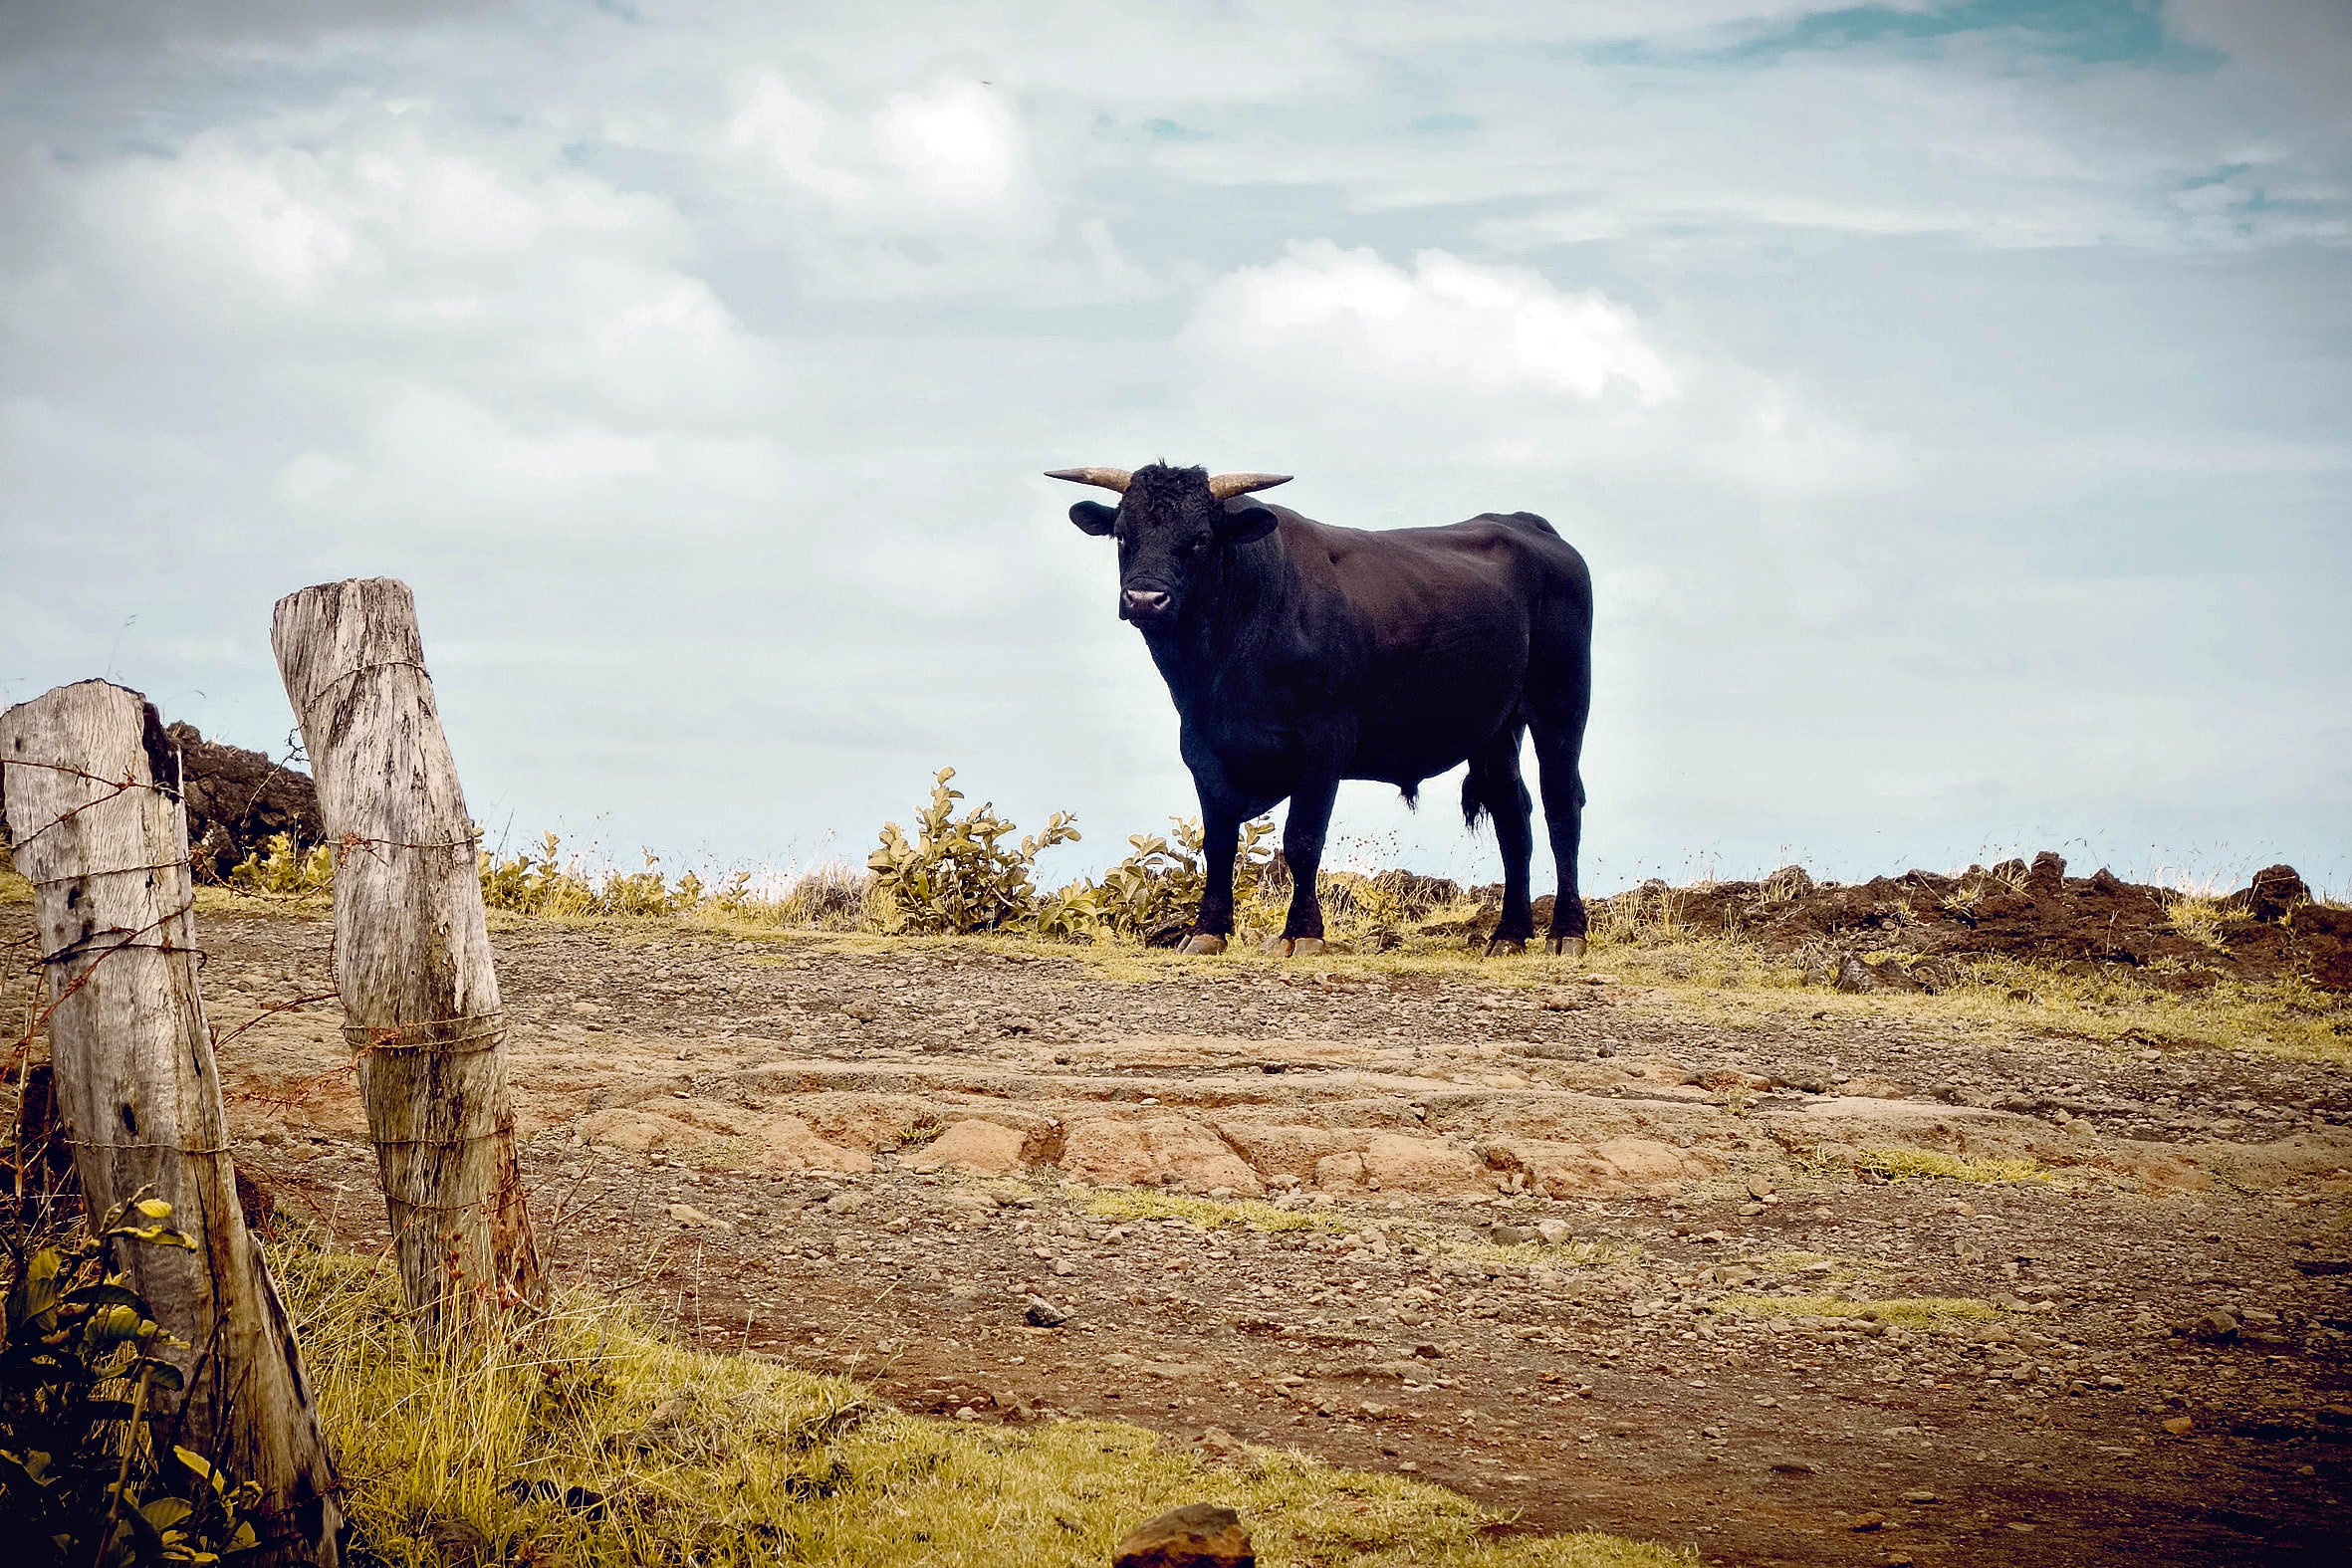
<point>2014,910</point>
<point>237,799</point>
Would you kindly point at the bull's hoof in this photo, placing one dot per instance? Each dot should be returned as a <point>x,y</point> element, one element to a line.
<point>1505,947</point>
<point>1201,942</point>
<point>1568,947</point>
<point>1293,947</point>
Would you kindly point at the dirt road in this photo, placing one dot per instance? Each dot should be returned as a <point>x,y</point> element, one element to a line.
<point>1612,1255</point>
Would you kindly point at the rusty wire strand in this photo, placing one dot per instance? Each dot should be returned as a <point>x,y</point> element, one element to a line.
<point>356,671</point>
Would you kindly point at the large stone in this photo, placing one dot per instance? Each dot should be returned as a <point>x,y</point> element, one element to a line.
<point>1431,1166</point>
<point>1282,1148</point>
<point>1155,1151</point>
<point>975,1148</point>
<point>1197,1535</point>
<point>1645,1160</point>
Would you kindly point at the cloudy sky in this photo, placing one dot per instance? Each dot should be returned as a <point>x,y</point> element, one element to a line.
<point>1954,400</point>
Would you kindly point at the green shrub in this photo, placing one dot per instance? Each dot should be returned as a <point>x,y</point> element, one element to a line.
<point>89,1477</point>
<point>550,884</point>
<point>956,876</point>
<point>1159,881</point>
<point>283,867</point>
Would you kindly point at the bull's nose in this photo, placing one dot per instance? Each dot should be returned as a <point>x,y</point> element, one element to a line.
<point>1142,604</point>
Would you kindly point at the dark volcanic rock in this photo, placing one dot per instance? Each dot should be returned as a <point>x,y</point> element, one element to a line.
<point>237,799</point>
<point>2275,890</point>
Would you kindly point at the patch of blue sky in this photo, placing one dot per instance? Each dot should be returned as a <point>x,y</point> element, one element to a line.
<point>1170,131</point>
<point>2073,32</point>
<point>1443,124</point>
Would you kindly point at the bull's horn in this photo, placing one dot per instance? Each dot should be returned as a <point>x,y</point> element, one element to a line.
<point>1227,486</point>
<point>1107,478</point>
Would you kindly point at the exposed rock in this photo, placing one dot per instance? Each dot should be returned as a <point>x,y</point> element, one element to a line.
<point>2274,891</point>
<point>237,799</point>
<point>975,1148</point>
<point>1198,1535</point>
<point>1154,1151</point>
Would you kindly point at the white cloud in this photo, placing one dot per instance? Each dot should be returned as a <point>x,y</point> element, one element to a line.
<point>1448,324</point>
<point>1450,358</point>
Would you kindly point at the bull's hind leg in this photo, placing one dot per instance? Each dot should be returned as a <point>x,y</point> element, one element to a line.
<point>1494,789</point>
<point>1558,743</point>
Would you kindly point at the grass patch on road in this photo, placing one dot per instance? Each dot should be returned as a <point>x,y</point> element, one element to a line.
<point>1836,1267</point>
<point>1917,1165</point>
<point>591,1441</point>
<point>1896,1312</point>
<point>1142,1202</point>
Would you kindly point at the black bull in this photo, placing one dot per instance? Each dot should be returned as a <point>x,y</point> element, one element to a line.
<point>1299,654</point>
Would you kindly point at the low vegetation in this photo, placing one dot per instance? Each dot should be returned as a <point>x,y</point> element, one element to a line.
<point>1894,1313</point>
<point>1138,1203</point>
<point>91,1474</point>
<point>959,876</point>
<point>592,1439</point>
<point>1915,1165</point>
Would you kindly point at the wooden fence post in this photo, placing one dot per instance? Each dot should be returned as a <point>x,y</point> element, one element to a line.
<point>412,952</point>
<point>92,800</point>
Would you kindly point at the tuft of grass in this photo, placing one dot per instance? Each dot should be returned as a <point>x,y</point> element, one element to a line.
<point>1917,1165</point>
<point>2203,918</point>
<point>591,1441</point>
<point>1840,1268</point>
<point>1142,1202</point>
<point>1584,1253</point>
<point>1896,1311</point>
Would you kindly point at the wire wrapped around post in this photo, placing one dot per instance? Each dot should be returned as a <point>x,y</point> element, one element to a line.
<point>413,953</point>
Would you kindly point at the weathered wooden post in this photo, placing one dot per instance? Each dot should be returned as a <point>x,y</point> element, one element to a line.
<point>412,952</point>
<point>92,800</point>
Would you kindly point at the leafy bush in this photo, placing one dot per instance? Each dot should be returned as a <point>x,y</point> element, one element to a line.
<point>956,876</point>
<point>286,868</point>
<point>1160,882</point>
<point>552,884</point>
<point>89,1477</point>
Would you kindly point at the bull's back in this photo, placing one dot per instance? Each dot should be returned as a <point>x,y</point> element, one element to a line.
<point>1461,625</point>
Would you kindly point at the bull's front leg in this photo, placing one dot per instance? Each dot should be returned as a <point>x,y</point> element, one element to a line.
<point>1221,836</point>
<point>1304,830</point>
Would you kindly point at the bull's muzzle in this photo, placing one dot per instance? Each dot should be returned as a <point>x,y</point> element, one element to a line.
<point>1142,605</point>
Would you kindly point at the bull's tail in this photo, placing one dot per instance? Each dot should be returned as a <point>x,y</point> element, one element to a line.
<point>1473,809</point>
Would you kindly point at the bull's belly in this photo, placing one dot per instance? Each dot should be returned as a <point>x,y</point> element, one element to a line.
<point>1444,737</point>
<point>1405,770</point>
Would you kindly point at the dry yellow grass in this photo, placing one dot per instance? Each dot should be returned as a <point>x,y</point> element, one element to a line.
<point>1896,1312</point>
<point>1912,1165</point>
<point>591,1441</point>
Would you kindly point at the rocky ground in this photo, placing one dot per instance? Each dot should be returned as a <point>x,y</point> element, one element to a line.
<point>1560,1240</point>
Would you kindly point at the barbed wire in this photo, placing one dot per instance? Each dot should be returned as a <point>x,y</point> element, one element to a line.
<point>479,1033</point>
<point>327,686</point>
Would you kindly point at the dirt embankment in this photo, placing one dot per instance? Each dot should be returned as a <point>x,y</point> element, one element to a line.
<point>2032,911</point>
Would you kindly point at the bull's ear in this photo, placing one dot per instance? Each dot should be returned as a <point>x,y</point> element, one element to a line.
<point>1092,516</point>
<point>1246,526</point>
